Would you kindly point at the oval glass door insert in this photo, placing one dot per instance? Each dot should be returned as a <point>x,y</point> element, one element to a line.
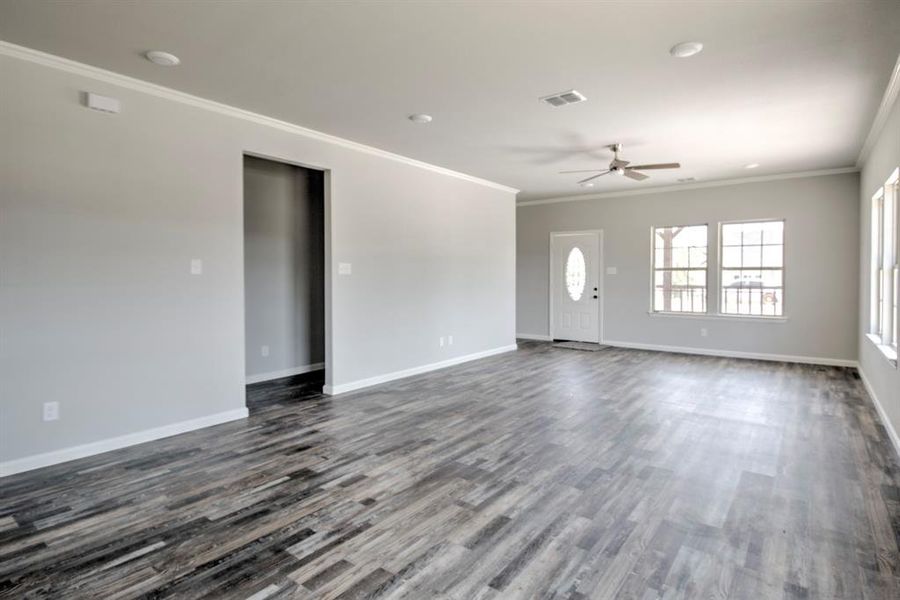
<point>575,274</point>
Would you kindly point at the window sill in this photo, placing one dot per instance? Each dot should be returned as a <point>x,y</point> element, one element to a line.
<point>718,317</point>
<point>889,353</point>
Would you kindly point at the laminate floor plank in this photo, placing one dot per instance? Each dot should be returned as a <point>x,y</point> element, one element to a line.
<point>543,473</point>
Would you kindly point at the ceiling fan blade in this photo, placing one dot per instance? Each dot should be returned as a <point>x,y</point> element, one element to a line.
<point>593,177</point>
<point>617,162</point>
<point>635,175</point>
<point>583,171</point>
<point>657,166</point>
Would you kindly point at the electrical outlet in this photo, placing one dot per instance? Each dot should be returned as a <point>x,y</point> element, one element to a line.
<point>196,266</point>
<point>442,341</point>
<point>51,411</point>
<point>704,332</point>
<point>449,340</point>
<point>264,350</point>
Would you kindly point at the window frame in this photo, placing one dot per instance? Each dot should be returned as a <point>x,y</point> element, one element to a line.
<point>653,269</point>
<point>719,268</point>
<point>884,267</point>
<point>876,260</point>
<point>892,262</point>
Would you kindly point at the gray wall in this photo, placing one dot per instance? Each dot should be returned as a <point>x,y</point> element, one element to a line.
<point>821,261</point>
<point>100,216</point>
<point>883,376</point>
<point>284,262</point>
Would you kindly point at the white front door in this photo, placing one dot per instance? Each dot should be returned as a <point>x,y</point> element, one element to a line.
<point>576,287</point>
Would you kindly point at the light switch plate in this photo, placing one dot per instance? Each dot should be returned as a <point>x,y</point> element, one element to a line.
<point>345,268</point>
<point>51,411</point>
<point>196,266</point>
<point>611,270</point>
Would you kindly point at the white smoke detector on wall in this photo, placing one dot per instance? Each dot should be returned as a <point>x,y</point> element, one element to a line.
<point>102,103</point>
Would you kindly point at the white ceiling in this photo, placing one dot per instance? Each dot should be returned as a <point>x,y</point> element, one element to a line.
<point>791,85</point>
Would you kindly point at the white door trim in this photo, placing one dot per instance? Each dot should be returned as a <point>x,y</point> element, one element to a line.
<point>327,184</point>
<point>600,272</point>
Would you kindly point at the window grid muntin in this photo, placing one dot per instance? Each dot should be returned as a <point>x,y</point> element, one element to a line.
<point>725,267</point>
<point>698,295</point>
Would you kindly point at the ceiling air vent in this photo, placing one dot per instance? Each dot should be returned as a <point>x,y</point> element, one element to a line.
<point>563,98</point>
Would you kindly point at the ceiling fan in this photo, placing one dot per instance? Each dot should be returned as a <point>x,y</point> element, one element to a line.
<point>621,167</point>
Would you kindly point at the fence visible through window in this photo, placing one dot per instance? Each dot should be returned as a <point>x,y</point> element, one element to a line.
<point>679,269</point>
<point>752,268</point>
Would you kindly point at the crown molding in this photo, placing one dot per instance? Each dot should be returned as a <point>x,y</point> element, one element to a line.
<point>690,186</point>
<point>139,85</point>
<point>884,109</point>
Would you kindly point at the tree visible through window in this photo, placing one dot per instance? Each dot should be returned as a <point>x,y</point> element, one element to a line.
<point>752,269</point>
<point>679,269</point>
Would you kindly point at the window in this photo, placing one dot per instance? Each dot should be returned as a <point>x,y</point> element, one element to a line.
<point>884,271</point>
<point>575,274</point>
<point>877,275</point>
<point>679,269</point>
<point>752,268</point>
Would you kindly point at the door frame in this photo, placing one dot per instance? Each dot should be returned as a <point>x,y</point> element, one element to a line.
<point>600,271</point>
<point>327,185</point>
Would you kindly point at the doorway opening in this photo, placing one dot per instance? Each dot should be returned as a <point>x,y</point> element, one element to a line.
<point>284,281</point>
<point>576,287</point>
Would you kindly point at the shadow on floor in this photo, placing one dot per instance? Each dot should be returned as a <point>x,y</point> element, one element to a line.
<point>297,388</point>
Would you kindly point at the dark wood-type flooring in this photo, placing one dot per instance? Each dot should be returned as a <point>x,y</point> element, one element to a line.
<point>544,473</point>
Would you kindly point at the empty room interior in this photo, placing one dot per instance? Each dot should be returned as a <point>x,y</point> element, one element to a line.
<point>449,299</point>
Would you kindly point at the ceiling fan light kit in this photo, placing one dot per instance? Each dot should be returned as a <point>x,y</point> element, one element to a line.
<point>622,168</point>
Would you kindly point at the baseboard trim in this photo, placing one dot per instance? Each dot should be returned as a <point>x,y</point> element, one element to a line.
<point>885,421</point>
<point>62,455</point>
<point>343,388</point>
<point>810,360</point>
<point>540,337</point>
<point>259,378</point>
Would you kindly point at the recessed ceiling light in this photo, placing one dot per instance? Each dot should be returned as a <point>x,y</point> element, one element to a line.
<point>686,179</point>
<point>751,166</point>
<point>163,59</point>
<point>685,49</point>
<point>420,118</point>
<point>587,184</point>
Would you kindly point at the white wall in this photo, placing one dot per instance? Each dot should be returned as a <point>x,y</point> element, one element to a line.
<point>284,262</point>
<point>821,260</point>
<point>882,376</point>
<point>101,214</point>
